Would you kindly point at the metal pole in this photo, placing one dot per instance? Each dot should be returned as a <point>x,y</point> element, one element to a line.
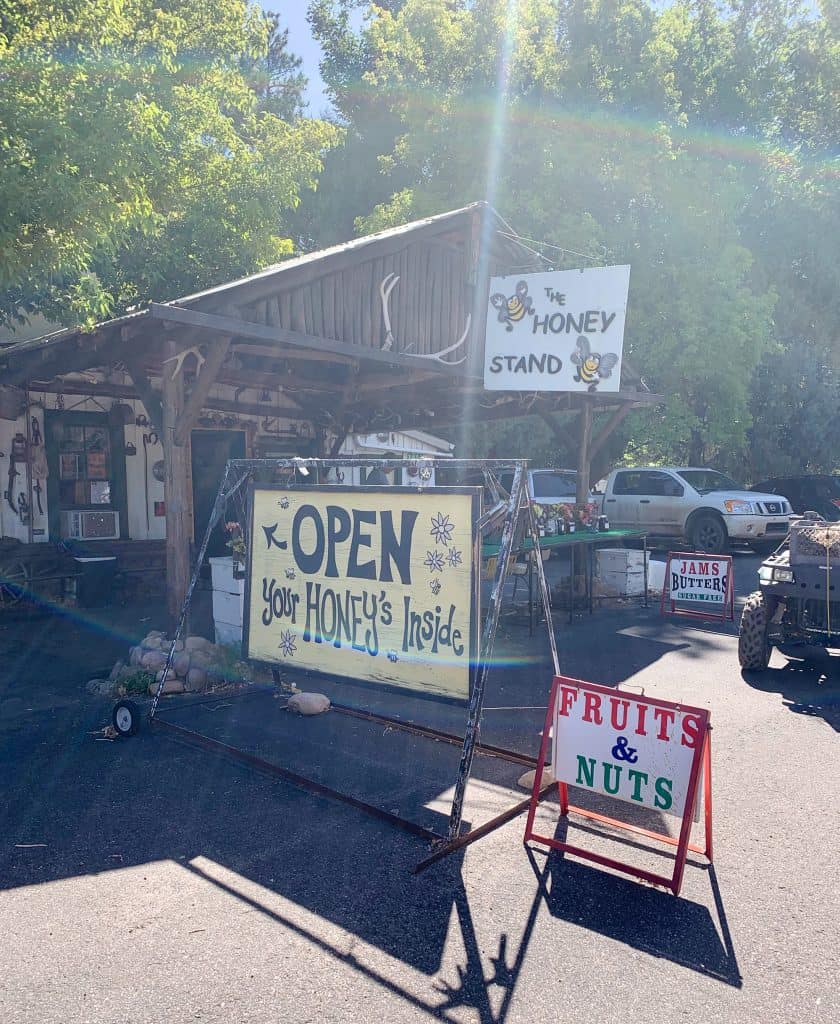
<point>486,651</point>
<point>222,498</point>
<point>546,596</point>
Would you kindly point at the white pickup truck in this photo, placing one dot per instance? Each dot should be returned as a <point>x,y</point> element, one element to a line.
<point>700,507</point>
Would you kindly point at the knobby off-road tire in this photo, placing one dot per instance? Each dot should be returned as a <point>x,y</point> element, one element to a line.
<point>753,646</point>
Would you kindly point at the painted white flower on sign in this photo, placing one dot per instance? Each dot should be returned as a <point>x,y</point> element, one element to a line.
<point>433,561</point>
<point>287,644</point>
<point>454,558</point>
<point>442,527</point>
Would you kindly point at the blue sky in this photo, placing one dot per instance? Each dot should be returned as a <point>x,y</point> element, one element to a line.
<point>293,17</point>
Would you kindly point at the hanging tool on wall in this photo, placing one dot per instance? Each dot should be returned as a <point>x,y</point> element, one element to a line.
<point>38,461</point>
<point>23,508</point>
<point>17,454</point>
<point>11,488</point>
<point>150,438</point>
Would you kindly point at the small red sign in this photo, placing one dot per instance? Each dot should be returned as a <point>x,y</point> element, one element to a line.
<point>644,752</point>
<point>698,586</point>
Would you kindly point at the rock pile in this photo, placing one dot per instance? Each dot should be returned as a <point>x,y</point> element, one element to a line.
<point>197,665</point>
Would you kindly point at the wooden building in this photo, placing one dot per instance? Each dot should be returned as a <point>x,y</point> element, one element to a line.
<point>137,417</point>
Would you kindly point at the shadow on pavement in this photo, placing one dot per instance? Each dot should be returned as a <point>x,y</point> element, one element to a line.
<point>809,686</point>
<point>647,919</point>
<point>311,866</point>
<point>77,807</point>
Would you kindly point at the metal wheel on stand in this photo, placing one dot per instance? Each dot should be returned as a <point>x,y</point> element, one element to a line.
<point>15,578</point>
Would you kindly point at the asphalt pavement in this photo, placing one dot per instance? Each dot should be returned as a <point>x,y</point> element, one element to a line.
<point>145,880</point>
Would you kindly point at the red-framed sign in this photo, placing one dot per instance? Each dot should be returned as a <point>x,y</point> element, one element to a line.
<point>642,751</point>
<point>698,586</point>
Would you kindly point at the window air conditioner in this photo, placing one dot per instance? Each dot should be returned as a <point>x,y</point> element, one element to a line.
<point>90,525</point>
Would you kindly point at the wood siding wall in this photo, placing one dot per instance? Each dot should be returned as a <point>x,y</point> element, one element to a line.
<point>428,306</point>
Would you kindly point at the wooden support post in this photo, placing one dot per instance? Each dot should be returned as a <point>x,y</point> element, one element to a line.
<point>201,389</point>
<point>583,453</point>
<point>175,490</point>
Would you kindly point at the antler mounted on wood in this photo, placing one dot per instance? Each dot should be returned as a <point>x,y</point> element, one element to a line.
<point>179,359</point>
<point>387,285</point>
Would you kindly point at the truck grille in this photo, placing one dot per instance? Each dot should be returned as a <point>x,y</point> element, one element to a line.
<point>818,615</point>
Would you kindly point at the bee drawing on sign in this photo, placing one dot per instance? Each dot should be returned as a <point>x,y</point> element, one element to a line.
<point>393,656</point>
<point>512,308</point>
<point>290,574</point>
<point>592,367</point>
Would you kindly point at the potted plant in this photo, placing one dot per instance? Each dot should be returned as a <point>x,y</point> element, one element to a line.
<point>236,544</point>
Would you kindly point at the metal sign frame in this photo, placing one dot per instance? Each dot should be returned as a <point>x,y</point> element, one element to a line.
<point>513,511</point>
<point>701,761</point>
<point>727,613</point>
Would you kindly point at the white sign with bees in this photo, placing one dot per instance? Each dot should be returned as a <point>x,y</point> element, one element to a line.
<point>558,331</point>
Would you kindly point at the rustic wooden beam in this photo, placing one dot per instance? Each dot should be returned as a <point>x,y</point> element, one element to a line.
<point>281,336</point>
<point>259,381</point>
<point>340,438</point>
<point>573,400</point>
<point>175,490</point>
<point>618,416</point>
<point>94,389</point>
<point>551,422</point>
<point>264,411</point>
<point>218,404</point>
<point>387,382</point>
<point>49,362</point>
<point>583,454</point>
<point>201,389</point>
<point>293,354</point>
<point>143,386</point>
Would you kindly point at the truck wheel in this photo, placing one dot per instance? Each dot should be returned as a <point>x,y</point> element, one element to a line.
<point>707,533</point>
<point>753,646</point>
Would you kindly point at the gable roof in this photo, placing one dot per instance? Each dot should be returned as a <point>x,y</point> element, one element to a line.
<point>498,238</point>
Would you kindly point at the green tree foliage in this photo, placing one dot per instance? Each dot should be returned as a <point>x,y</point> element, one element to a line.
<point>353,180</point>
<point>685,140</point>
<point>275,74</point>
<point>147,149</point>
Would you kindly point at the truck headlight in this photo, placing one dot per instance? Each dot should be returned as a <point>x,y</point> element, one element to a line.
<point>738,507</point>
<point>781,574</point>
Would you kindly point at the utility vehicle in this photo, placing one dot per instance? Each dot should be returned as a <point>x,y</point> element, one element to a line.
<point>797,605</point>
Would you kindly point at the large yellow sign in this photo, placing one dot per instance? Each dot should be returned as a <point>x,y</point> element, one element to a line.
<point>375,585</point>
